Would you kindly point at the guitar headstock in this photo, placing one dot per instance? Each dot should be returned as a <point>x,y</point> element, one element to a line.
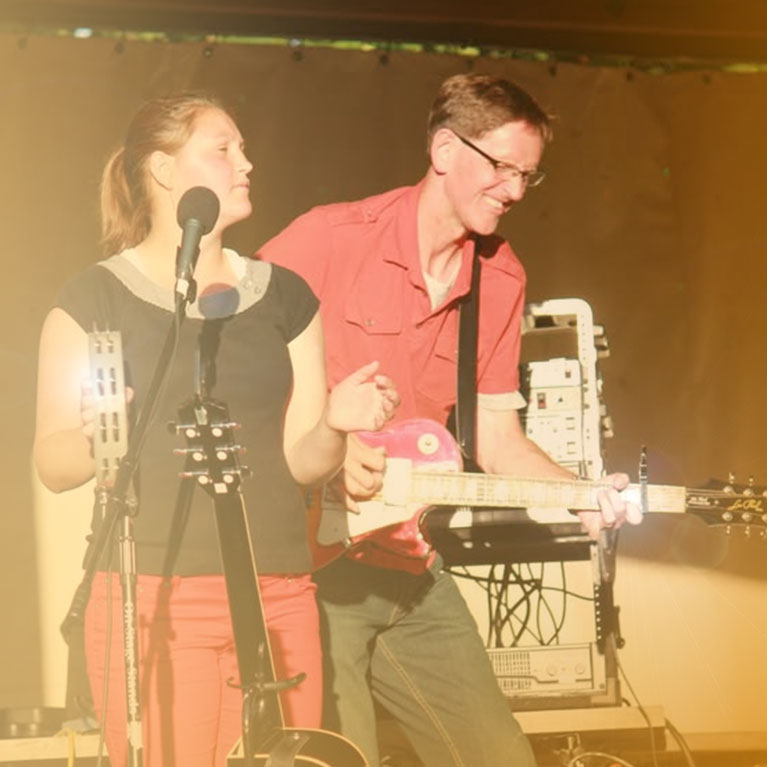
<point>728,505</point>
<point>212,455</point>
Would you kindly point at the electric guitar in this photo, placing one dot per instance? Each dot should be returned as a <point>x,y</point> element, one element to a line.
<point>212,460</point>
<point>423,464</point>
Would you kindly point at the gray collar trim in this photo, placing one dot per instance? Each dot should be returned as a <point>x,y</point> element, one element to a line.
<point>253,280</point>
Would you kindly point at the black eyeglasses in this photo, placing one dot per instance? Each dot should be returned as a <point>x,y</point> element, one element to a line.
<point>506,170</point>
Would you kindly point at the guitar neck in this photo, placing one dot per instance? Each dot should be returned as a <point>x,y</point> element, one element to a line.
<point>469,489</point>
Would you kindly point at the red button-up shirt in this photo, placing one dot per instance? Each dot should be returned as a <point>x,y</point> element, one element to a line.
<point>361,259</point>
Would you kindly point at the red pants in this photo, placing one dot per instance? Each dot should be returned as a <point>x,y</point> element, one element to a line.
<point>191,717</point>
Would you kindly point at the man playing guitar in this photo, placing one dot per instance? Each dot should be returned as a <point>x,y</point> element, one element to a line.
<point>390,272</point>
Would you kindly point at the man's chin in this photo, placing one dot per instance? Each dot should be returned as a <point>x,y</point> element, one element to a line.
<point>486,226</point>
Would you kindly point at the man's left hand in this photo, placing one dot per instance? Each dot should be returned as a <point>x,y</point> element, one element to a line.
<point>614,509</point>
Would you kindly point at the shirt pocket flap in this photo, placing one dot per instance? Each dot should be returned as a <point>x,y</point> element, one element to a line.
<point>376,310</point>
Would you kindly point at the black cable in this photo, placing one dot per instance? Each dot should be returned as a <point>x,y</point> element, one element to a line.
<point>640,707</point>
<point>527,587</point>
<point>563,614</point>
<point>524,622</point>
<point>495,613</point>
<point>616,760</point>
<point>489,609</point>
<point>681,742</point>
<point>497,592</point>
<point>543,603</point>
<point>502,614</point>
<point>567,592</point>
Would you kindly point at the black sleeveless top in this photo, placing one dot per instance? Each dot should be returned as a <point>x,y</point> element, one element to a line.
<point>244,331</point>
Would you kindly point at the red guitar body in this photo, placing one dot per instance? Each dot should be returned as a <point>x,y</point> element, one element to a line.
<point>424,444</point>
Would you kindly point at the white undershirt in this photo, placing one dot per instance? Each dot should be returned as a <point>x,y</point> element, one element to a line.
<point>437,289</point>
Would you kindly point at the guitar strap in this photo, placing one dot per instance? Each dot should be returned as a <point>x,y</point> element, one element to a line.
<point>466,393</point>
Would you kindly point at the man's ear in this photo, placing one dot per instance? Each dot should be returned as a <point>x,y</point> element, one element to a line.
<point>161,168</point>
<point>442,150</point>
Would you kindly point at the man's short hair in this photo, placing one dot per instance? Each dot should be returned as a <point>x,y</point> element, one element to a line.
<point>473,104</point>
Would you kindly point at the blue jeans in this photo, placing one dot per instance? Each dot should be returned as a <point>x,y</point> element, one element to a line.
<point>410,643</point>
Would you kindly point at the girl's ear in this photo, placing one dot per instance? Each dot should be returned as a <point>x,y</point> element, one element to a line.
<point>161,169</point>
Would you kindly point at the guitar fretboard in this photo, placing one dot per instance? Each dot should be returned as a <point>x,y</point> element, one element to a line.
<point>467,489</point>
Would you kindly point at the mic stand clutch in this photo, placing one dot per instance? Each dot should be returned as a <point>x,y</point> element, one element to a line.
<point>117,503</point>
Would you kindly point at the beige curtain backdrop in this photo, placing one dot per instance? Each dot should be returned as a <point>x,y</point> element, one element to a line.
<point>653,212</point>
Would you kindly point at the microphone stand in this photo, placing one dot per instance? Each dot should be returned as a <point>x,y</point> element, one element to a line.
<point>118,505</point>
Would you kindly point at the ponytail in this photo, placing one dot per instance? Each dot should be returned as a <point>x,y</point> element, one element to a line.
<point>124,218</point>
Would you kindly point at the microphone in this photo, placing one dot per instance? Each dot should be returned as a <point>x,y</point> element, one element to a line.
<point>197,214</point>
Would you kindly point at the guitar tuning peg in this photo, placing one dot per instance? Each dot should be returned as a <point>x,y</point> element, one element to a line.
<point>730,477</point>
<point>751,480</point>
